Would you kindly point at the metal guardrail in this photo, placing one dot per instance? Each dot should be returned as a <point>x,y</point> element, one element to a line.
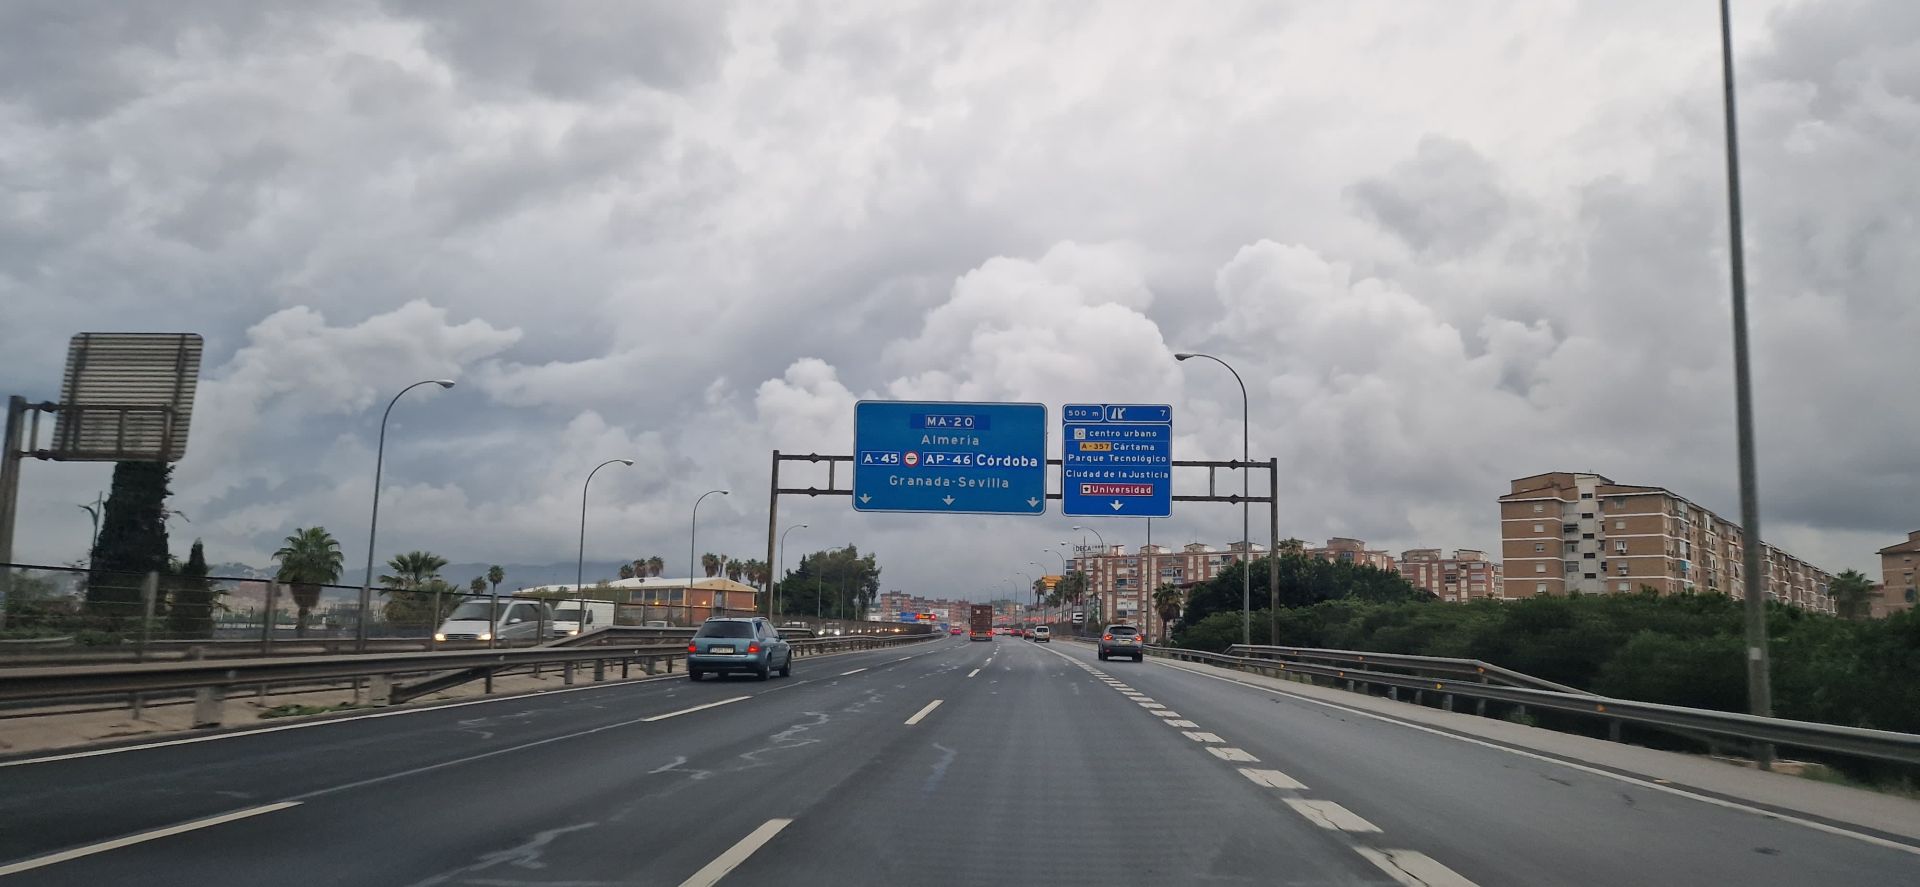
<point>1884,745</point>
<point>1426,666</point>
<point>210,680</point>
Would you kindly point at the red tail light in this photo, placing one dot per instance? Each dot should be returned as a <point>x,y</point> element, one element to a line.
<point>1107,638</point>
<point>753,648</point>
<point>692,649</point>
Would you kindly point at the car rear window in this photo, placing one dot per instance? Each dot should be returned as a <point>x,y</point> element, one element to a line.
<point>1123,629</point>
<point>725,630</point>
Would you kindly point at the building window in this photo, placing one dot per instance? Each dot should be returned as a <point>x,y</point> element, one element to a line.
<point>1620,586</point>
<point>1620,545</point>
<point>1589,576</point>
<point>1619,524</point>
<point>1572,567</point>
<point>1623,569</point>
<point>1539,546</point>
<point>1540,587</point>
<point>1539,528</point>
<point>1569,528</point>
<point>1538,508</point>
<point>1586,535</point>
<point>1539,568</point>
<point>1586,515</point>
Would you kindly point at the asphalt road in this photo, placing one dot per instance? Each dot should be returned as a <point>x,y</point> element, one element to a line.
<point>942,763</point>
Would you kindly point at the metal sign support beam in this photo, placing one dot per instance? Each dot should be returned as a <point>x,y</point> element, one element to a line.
<point>1272,500</point>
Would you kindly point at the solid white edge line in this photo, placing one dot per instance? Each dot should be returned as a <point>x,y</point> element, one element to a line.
<point>973,672</point>
<point>103,846</point>
<point>712,872</point>
<point>1583,768</point>
<point>388,713</point>
<point>688,711</point>
<point>855,671</point>
<point>1411,868</point>
<point>923,712</point>
<point>1331,816</point>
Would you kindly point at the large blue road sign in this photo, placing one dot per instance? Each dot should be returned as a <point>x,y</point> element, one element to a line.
<point>964,458</point>
<point>1116,460</point>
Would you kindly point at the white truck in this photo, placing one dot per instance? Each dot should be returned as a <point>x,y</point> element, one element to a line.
<point>507,620</point>
<point>566,616</point>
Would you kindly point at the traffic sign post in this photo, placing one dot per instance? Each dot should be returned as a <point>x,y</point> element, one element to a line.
<point>1116,460</point>
<point>950,457</point>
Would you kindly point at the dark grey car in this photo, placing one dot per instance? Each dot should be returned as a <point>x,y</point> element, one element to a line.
<point>1123,641</point>
<point>750,645</point>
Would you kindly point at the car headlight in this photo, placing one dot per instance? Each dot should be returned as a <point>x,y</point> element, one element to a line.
<point>439,636</point>
<point>486,635</point>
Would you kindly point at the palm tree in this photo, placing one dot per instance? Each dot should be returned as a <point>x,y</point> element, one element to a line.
<point>735,569</point>
<point>1292,546</point>
<point>412,570</point>
<point>309,559</point>
<point>478,586</point>
<point>655,564</point>
<point>710,563</point>
<point>1852,594</point>
<point>1168,600</point>
<point>495,576</point>
<point>626,571</point>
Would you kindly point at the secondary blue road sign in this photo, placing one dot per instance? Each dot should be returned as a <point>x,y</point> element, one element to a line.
<point>1116,460</point>
<point>963,458</point>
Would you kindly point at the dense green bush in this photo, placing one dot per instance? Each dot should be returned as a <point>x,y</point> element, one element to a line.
<point>1676,649</point>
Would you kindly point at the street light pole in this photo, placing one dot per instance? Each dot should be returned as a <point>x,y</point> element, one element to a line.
<point>580,564</point>
<point>693,530</point>
<point>1103,552</point>
<point>1759,681</point>
<point>774,605</point>
<point>1246,507</point>
<point>373,523</point>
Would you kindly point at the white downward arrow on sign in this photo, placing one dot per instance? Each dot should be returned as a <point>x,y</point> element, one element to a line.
<point>864,498</point>
<point>948,500</point>
<point>1116,505</point>
<point>1032,502</point>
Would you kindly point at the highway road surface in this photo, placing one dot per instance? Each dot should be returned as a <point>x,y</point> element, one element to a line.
<point>947,762</point>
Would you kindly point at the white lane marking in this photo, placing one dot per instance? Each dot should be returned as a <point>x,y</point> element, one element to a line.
<point>1411,868</point>
<point>923,712</point>
<point>973,672</point>
<point>116,843</point>
<point>1272,779</point>
<point>1151,705</point>
<point>1163,713</point>
<point>1331,816</point>
<point>1596,771</point>
<point>903,659</point>
<point>347,719</point>
<point>855,671</point>
<point>688,711</point>
<point>712,872</point>
<point>1180,723</point>
<point>1229,753</point>
<point>1202,736</point>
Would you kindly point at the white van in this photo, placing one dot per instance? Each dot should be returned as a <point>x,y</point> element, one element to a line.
<point>480,621</point>
<point>566,616</point>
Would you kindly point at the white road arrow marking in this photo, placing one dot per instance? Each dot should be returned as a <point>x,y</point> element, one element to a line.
<point>1116,505</point>
<point>948,500</point>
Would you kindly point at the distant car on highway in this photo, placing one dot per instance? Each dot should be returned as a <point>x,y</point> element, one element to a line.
<point>1122,641</point>
<point>735,644</point>
<point>1026,633</point>
<point>1042,634</point>
<point>956,631</point>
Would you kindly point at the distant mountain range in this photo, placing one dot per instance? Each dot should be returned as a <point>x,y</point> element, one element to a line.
<point>518,575</point>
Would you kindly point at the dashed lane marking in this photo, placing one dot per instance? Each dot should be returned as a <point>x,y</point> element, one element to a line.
<point>923,712</point>
<point>973,672</point>
<point>1201,736</point>
<point>116,843</point>
<point>712,872</point>
<point>1229,753</point>
<point>688,711</point>
<point>1180,722</point>
<point>1272,779</point>
<point>1331,816</point>
<point>1411,868</point>
<point>1163,713</point>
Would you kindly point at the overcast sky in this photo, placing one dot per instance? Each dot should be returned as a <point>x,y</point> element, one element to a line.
<point>1446,243</point>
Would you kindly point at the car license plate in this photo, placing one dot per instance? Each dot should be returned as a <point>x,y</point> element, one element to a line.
<point>719,649</point>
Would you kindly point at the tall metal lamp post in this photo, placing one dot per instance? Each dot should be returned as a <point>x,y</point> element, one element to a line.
<point>1246,506</point>
<point>774,606</point>
<point>373,523</point>
<point>580,564</point>
<point>693,530</point>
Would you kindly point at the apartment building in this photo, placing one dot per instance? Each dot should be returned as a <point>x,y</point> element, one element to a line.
<point>1581,533</point>
<point>1466,576</point>
<point>1899,564</point>
<point>1122,583</point>
<point>1352,551</point>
